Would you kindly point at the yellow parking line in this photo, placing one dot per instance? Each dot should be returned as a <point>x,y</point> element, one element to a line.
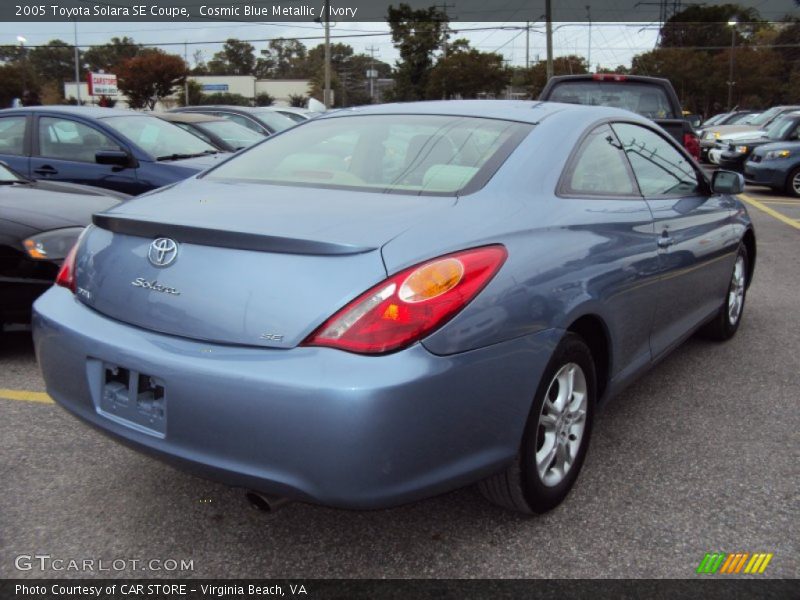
<point>25,396</point>
<point>785,202</point>
<point>770,211</point>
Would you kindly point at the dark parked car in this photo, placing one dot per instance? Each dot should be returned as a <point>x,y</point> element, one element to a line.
<point>390,302</point>
<point>776,165</point>
<point>265,121</point>
<point>651,97</point>
<point>784,129</point>
<point>217,131</point>
<point>122,150</point>
<point>39,223</point>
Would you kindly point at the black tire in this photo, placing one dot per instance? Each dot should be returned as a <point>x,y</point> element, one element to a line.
<point>721,328</point>
<point>793,189</point>
<point>520,487</point>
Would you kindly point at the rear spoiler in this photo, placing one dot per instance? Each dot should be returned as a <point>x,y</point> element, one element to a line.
<point>240,240</point>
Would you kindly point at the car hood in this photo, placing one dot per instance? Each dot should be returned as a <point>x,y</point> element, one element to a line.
<point>43,206</point>
<point>764,148</point>
<point>743,135</point>
<point>727,130</point>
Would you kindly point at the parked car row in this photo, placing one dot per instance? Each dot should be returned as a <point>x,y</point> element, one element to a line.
<point>719,135</point>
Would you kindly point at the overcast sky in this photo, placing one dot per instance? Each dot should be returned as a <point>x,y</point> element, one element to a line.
<point>611,43</point>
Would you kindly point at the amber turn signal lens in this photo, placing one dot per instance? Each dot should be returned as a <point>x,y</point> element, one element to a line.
<point>431,280</point>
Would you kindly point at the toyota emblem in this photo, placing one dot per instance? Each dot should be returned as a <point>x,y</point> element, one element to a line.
<point>163,252</point>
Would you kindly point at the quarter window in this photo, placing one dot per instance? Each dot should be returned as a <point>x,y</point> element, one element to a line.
<point>12,135</point>
<point>659,168</point>
<point>600,168</point>
<point>70,140</point>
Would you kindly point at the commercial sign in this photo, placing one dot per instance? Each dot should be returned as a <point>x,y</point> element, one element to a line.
<point>215,87</point>
<point>102,84</point>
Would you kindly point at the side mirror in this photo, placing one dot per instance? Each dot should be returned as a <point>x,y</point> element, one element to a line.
<point>694,120</point>
<point>119,158</point>
<point>727,182</point>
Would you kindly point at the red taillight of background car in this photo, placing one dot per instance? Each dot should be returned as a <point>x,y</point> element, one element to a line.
<point>692,144</point>
<point>66,276</point>
<point>409,305</point>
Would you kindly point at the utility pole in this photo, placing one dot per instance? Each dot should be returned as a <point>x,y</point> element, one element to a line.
<point>589,55</point>
<point>527,44</point>
<point>548,15</point>
<point>186,81</point>
<point>372,72</point>
<point>732,25</point>
<point>77,66</point>
<point>327,16</point>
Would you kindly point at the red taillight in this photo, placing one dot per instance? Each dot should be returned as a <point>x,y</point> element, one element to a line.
<point>609,77</point>
<point>692,144</point>
<point>66,276</point>
<point>407,306</point>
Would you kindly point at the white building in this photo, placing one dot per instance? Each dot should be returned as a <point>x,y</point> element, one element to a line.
<point>245,85</point>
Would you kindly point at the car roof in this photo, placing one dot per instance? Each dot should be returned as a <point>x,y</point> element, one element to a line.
<point>509,110</point>
<point>94,112</point>
<point>187,117</point>
<point>230,107</point>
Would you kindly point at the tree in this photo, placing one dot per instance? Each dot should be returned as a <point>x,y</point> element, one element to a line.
<point>235,58</point>
<point>196,95</point>
<point>264,99</point>
<point>106,57</point>
<point>10,84</point>
<point>418,35</point>
<point>466,72</point>
<point>54,61</point>
<point>152,75</point>
<point>283,59</point>
<point>702,26</point>
<point>297,100</point>
<point>562,65</point>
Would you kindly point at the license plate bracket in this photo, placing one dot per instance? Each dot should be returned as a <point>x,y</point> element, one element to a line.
<point>137,400</point>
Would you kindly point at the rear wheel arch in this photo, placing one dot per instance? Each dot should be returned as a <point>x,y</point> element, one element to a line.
<point>595,333</point>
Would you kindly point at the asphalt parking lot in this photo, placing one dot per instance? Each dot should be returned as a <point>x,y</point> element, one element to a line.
<point>701,455</point>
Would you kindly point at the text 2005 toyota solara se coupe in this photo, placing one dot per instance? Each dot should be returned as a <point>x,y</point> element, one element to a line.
<point>387,303</point>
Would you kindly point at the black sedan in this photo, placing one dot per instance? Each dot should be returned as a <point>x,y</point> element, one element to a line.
<point>217,131</point>
<point>784,129</point>
<point>39,223</point>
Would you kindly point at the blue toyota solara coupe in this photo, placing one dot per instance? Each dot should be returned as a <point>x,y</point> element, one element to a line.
<point>387,303</point>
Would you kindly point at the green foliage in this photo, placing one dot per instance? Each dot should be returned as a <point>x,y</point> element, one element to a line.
<point>418,35</point>
<point>235,58</point>
<point>106,57</point>
<point>264,99</point>
<point>466,73</point>
<point>10,84</point>
<point>225,98</point>
<point>297,100</point>
<point>283,59</point>
<point>196,95</point>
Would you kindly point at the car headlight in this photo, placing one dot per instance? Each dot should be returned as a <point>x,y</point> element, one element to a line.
<point>52,245</point>
<point>716,134</point>
<point>773,154</point>
<point>741,149</point>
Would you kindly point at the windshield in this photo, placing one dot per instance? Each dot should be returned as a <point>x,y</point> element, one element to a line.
<point>766,116</point>
<point>231,133</point>
<point>647,100</point>
<point>420,154</point>
<point>274,120</point>
<point>742,118</point>
<point>716,119</point>
<point>7,175</point>
<point>158,138</point>
<point>780,129</point>
<point>296,117</point>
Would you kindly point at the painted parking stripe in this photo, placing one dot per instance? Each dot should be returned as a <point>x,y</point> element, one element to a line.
<point>25,396</point>
<point>770,211</point>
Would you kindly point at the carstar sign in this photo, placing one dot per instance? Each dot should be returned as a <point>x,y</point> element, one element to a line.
<point>102,84</point>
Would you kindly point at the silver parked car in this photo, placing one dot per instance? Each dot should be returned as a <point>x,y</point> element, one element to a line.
<point>387,303</point>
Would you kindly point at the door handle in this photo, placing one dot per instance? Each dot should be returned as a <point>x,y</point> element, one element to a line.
<point>666,240</point>
<point>46,170</point>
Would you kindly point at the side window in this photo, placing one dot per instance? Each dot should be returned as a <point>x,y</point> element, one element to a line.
<point>70,140</point>
<point>599,167</point>
<point>12,135</point>
<point>659,168</point>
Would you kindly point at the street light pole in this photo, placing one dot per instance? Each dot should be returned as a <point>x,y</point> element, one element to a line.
<point>327,92</point>
<point>77,66</point>
<point>732,25</point>
<point>24,58</point>
<point>549,36</point>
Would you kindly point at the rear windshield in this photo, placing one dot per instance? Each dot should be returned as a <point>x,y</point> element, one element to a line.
<point>274,120</point>
<point>420,154</point>
<point>648,100</point>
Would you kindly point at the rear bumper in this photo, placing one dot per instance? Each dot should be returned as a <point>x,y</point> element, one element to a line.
<point>732,162</point>
<point>764,174</point>
<point>312,424</point>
